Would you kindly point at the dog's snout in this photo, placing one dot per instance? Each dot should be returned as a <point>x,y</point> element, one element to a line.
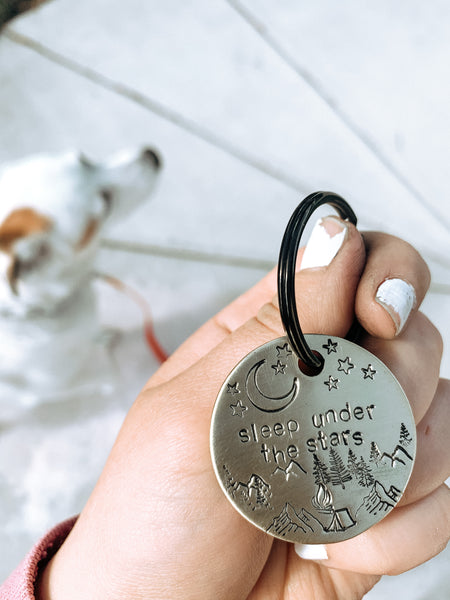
<point>152,156</point>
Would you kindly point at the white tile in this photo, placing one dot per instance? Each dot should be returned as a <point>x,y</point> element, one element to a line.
<point>384,67</point>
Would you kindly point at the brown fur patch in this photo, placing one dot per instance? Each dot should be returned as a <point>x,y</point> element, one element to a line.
<point>89,232</point>
<point>21,223</point>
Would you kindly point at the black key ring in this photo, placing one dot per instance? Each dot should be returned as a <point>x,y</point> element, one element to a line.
<point>286,269</point>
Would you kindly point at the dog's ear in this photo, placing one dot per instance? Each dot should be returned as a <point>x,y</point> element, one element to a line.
<point>20,223</point>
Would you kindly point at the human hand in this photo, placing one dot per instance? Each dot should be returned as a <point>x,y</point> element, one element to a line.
<point>158,525</point>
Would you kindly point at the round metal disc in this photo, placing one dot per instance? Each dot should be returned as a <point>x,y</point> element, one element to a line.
<point>313,459</point>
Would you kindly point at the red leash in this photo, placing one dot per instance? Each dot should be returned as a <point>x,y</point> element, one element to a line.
<point>149,331</point>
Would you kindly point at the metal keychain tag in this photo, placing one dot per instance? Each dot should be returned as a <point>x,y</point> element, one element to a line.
<point>312,458</point>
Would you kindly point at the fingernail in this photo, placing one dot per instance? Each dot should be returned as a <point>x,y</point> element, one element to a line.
<point>311,551</point>
<point>324,242</point>
<point>398,298</point>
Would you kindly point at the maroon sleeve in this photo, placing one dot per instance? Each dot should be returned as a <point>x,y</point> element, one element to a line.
<point>20,584</point>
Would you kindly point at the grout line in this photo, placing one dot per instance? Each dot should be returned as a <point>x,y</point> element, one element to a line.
<point>185,254</point>
<point>212,258</point>
<point>320,90</point>
<point>440,288</point>
<point>160,109</point>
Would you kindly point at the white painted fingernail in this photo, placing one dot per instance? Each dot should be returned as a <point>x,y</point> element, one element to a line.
<point>324,243</point>
<point>398,298</point>
<point>311,551</point>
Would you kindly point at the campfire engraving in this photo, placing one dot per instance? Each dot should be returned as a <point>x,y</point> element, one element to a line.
<point>339,519</point>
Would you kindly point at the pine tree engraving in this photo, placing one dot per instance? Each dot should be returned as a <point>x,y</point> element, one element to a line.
<point>365,477</point>
<point>320,471</point>
<point>339,474</point>
<point>352,463</point>
<point>375,454</point>
<point>229,480</point>
<point>405,436</point>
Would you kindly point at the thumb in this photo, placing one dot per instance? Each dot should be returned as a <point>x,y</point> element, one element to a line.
<point>325,295</point>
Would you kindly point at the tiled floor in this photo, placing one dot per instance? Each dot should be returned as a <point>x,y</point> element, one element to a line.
<point>252,105</point>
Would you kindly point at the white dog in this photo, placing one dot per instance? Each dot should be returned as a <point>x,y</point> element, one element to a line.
<point>52,211</point>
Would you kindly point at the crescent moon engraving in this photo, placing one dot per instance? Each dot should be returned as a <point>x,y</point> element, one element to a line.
<point>266,403</point>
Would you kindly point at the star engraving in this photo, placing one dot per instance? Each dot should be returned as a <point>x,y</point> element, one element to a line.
<point>369,372</point>
<point>283,351</point>
<point>345,365</point>
<point>279,368</point>
<point>233,388</point>
<point>238,409</point>
<point>332,383</point>
<point>330,346</point>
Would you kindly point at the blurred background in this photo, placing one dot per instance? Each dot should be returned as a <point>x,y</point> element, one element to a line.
<point>253,105</point>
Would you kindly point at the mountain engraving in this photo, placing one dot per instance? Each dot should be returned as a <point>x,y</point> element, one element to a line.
<point>399,455</point>
<point>255,493</point>
<point>293,468</point>
<point>289,521</point>
<point>378,500</point>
